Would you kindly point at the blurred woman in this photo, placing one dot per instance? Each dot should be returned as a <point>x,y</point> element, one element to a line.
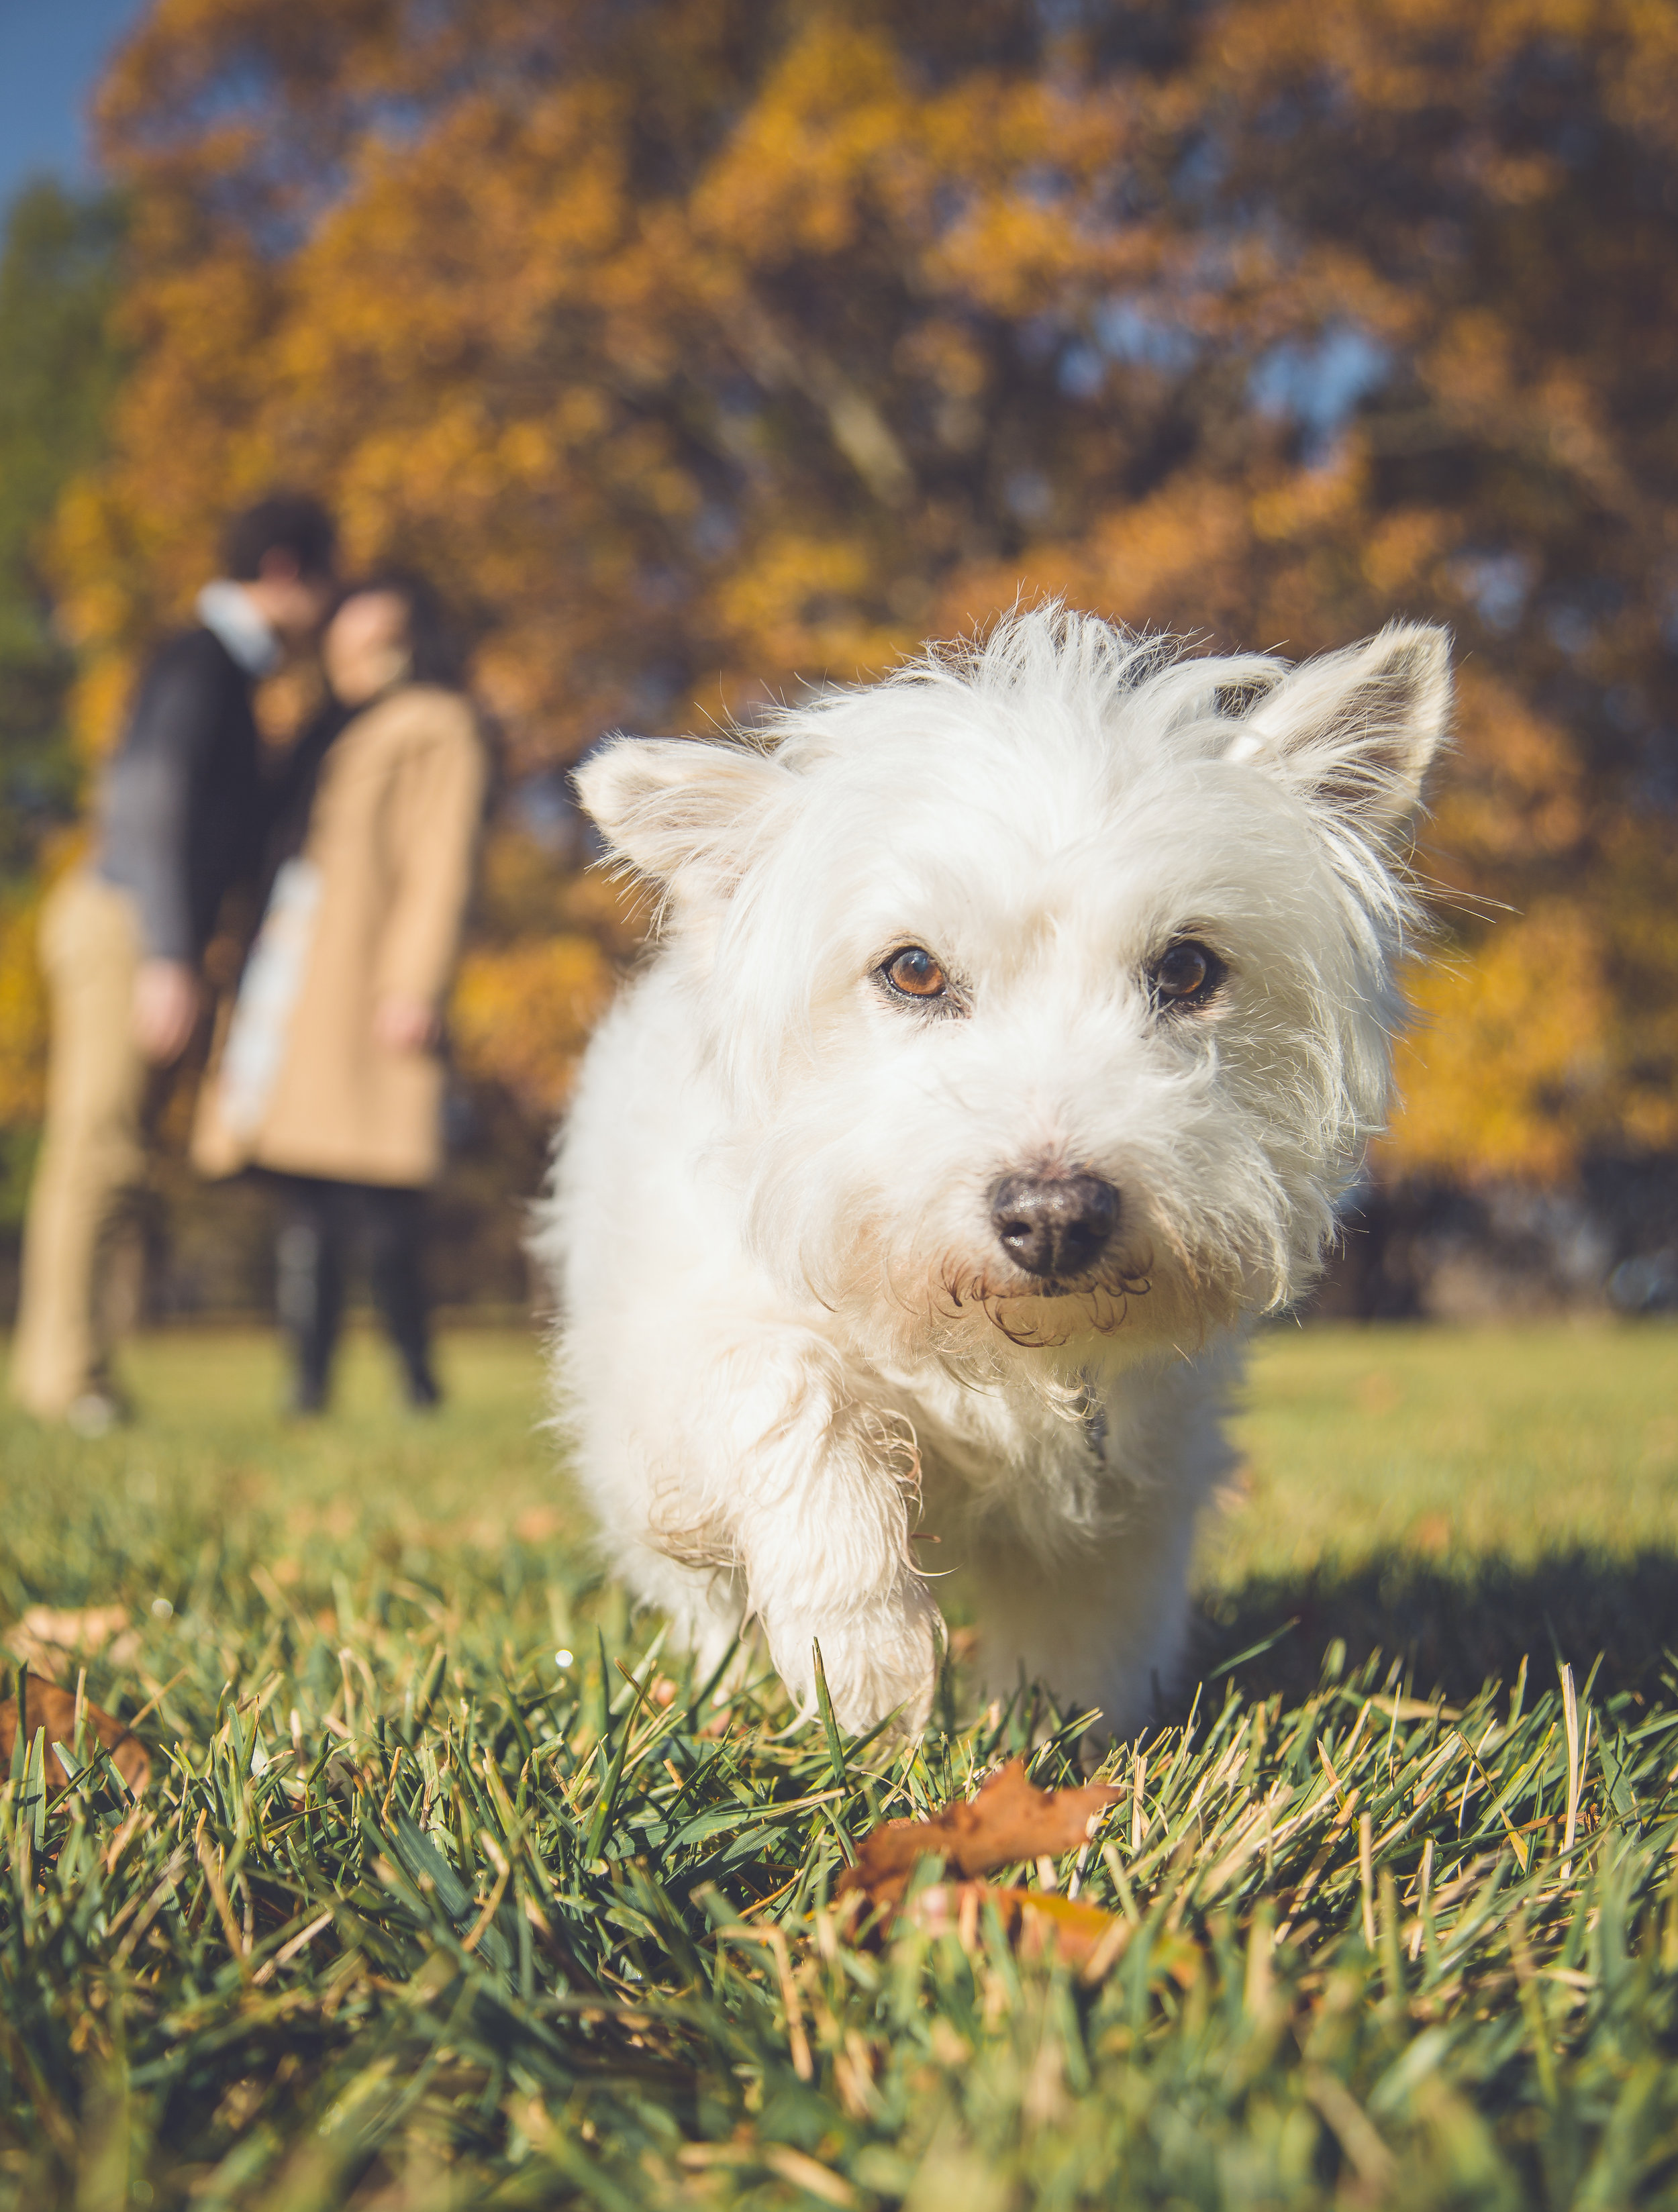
<point>331,1074</point>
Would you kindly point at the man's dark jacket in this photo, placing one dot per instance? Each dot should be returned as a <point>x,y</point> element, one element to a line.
<point>182,814</point>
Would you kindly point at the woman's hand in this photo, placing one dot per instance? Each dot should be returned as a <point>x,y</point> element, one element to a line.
<point>405,1022</point>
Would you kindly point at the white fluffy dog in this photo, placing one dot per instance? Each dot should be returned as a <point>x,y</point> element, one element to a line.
<point>1013,1026</point>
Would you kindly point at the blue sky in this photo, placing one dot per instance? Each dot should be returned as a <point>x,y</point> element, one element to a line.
<point>52,53</point>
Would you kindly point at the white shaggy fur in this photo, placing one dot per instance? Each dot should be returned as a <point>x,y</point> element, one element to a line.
<point>804,1376</point>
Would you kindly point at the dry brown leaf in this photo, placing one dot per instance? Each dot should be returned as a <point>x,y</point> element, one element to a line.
<point>1082,1936</point>
<point>49,1640</point>
<point>1008,1821</point>
<point>1031,1918</point>
<point>54,1710</point>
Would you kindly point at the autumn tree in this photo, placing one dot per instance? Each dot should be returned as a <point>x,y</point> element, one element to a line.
<point>714,347</point>
<point>58,366</point>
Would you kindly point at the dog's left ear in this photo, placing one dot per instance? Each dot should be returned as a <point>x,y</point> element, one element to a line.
<point>1356,730</point>
<point>682,812</point>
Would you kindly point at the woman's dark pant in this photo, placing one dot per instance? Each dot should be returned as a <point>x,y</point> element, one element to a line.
<point>320,1225</point>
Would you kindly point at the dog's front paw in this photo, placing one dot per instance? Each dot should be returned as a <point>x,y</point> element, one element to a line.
<point>879,1660</point>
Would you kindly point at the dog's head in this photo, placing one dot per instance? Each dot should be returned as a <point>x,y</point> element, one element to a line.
<point>1050,982</point>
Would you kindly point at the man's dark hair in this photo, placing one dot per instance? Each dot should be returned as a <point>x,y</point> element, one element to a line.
<point>285,522</point>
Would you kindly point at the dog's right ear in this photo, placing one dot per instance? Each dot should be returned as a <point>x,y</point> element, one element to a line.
<point>683,814</point>
<point>1354,733</point>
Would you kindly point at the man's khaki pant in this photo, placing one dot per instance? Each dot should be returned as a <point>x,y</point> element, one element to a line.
<point>91,1154</point>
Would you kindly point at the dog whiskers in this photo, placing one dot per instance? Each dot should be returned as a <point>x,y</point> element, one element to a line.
<point>1099,1307</point>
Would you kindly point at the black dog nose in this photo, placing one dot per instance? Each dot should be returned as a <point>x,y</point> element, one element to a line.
<point>1053,1225</point>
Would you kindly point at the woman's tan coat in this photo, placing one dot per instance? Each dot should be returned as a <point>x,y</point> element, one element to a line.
<point>393,831</point>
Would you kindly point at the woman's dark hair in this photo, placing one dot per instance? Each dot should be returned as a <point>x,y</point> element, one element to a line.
<point>434,651</point>
<point>434,656</point>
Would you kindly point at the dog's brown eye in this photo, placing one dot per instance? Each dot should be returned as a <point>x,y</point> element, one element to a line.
<point>915,973</point>
<point>1186,975</point>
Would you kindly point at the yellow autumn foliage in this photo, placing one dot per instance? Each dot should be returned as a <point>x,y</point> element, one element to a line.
<point>1532,1005</point>
<point>522,1012</point>
<point>22,1015</point>
<point>706,352</point>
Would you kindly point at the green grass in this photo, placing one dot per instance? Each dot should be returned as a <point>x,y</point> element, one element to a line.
<point>1466,1442</point>
<point>475,1929</point>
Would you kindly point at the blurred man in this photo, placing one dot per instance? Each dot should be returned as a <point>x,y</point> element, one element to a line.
<point>180,819</point>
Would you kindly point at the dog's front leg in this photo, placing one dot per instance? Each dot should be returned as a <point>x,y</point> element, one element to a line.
<point>1100,1623</point>
<point>818,1488</point>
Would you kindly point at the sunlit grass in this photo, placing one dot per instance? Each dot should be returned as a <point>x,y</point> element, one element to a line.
<point>1506,1442</point>
<point>422,1913</point>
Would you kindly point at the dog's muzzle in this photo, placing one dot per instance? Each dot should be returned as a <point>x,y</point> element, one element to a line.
<point>1053,1226</point>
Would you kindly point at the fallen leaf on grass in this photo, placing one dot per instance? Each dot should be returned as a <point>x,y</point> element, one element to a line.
<point>1008,1821</point>
<point>54,1710</point>
<point>1082,1934</point>
<point>49,1639</point>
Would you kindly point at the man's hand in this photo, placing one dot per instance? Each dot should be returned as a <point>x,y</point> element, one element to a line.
<point>166,1009</point>
<point>405,1022</point>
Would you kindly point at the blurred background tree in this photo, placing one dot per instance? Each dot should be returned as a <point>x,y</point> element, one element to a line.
<point>707,349</point>
<point>59,365</point>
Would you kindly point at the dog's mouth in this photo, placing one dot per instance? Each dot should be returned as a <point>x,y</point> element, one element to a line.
<point>1038,1312</point>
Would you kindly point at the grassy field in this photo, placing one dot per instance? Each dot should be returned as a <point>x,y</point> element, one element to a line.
<point>450,1890</point>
